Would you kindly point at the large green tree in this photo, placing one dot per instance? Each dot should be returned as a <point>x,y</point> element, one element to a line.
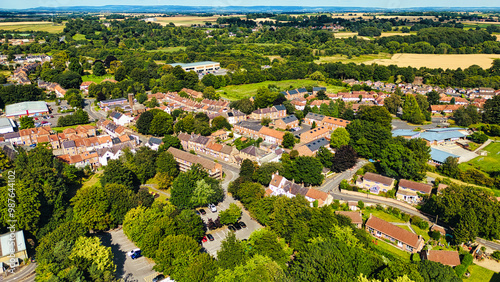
<point>411,110</point>
<point>231,253</point>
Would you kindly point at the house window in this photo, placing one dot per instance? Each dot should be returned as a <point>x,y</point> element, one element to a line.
<point>378,233</point>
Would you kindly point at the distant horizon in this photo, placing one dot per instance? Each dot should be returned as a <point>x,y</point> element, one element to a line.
<point>360,4</point>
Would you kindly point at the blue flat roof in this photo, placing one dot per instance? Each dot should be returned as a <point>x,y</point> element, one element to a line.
<point>440,156</point>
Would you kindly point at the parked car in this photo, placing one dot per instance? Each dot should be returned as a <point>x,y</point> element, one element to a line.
<point>36,118</point>
<point>212,207</point>
<point>231,228</point>
<point>237,226</point>
<point>204,239</point>
<point>134,252</point>
<point>197,212</point>
<point>210,237</point>
<point>242,224</point>
<point>202,211</point>
<point>136,255</point>
<point>158,278</point>
<point>44,122</point>
<point>33,145</point>
<point>51,116</point>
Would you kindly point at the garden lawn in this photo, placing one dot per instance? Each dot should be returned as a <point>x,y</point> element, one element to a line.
<point>381,244</point>
<point>97,79</point>
<point>93,180</point>
<point>481,274</point>
<point>491,162</point>
<point>79,36</point>
<point>405,227</point>
<point>422,232</point>
<point>237,92</point>
<point>382,215</point>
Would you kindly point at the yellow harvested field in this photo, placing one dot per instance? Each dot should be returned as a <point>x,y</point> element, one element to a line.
<point>385,34</point>
<point>188,20</point>
<point>452,61</point>
<point>32,26</point>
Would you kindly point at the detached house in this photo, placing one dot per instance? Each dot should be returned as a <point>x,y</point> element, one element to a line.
<point>409,191</point>
<point>355,217</point>
<point>120,118</point>
<point>376,183</point>
<point>450,258</point>
<point>403,239</point>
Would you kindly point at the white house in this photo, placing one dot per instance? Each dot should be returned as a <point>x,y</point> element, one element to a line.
<point>154,143</point>
<point>121,119</point>
<point>113,153</point>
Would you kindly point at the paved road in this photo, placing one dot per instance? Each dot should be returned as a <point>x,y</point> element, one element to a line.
<point>401,124</point>
<point>127,269</point>
<point>489,244</point>
<point>26,273</point>
<point>88,107</point>
<point>332,184</point>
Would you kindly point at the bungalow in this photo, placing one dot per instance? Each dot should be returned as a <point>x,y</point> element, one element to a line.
<point>355,217</point>
<point>313,134</point>
<point>447,109</point>
<point>450,258</point>
<point>410,191</point>
<point>376,183</point>
<point>287,122</point>
<point>185,160</point>
<point>402,238</point>
<point>322,198</point>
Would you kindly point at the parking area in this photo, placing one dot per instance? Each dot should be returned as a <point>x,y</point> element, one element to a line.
<point>127,269</point>
<point>220,234</point>
<point>465,155</point>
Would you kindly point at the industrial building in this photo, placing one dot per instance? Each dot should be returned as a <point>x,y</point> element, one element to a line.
<point>32,108</point>
<point>198,67</point>
<point>6,125</point>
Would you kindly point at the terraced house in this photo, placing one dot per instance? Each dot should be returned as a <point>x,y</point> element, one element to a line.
<point>274,112</point>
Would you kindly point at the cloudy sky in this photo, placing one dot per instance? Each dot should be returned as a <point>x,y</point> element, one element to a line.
<point>9,4</point>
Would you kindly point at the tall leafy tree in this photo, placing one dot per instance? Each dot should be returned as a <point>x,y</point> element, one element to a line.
<point>467,227</point>
<point>411,110</point>
<point>288,140</point>
<point>339,137</point>
<point>117,172</point>
<point>345,158</point>
<point>392,103</point>
<point>230,215</point>
<point>26,122</point>
<point>231,253</point>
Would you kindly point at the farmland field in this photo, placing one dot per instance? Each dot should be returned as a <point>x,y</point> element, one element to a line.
<point>236,92</point>
<point>31,26</point>
<point>186,20</point>
<point>491,162</point>
<point>451,61</point>
<point>354,59</point>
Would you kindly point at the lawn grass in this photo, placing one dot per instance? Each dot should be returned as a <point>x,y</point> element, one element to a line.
<point>93,180</point>
<point>97,79</point>
<point>236,92</point>
<point>496,192</point>
<point>168,49</point>
<point>488,163</point>
<point>5,73</point>
<point>481,274</point>
<point>405,227</point>
<point>393,250</point>
<point>354,59</point>
<point>421,232</point>
<point>383,215</point>
<point>61,129</point>
<point>23,26</point>
<point>79,36</point>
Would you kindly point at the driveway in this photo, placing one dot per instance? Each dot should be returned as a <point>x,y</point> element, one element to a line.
<point>303,128</point>
<point>126,268</point>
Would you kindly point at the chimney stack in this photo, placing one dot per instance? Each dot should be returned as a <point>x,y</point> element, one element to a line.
<point>131,100</point>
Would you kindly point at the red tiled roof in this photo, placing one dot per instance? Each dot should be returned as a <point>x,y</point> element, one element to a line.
<point>393,231</point>
<point>353,215</point>
<point>450,258</point>
<point>424,188</point>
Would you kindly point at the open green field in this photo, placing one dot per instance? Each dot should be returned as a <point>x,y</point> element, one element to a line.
<point>354,59</point>
<point>5,73</point>
<point>481,274</point>
<point>496,192</point>
<point>32,26</point>
<point>491,162</point>
<point>393,250</point>
<point>79,36</point>
<point>97,79</point>
<point>168,49</point>
<point>188,20</point>
<point>236,92</point>
<point>383,215</point>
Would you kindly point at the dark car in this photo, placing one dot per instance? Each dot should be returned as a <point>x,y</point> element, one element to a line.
<point>231,228</point>
<point>237,226</point>
<point>203,212</point>
<point>33,259</point>
<point>158,278</point>
<point>210,237</point>
<point>242,224</point>
<point>136,254</point>
<point>197,212</point>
